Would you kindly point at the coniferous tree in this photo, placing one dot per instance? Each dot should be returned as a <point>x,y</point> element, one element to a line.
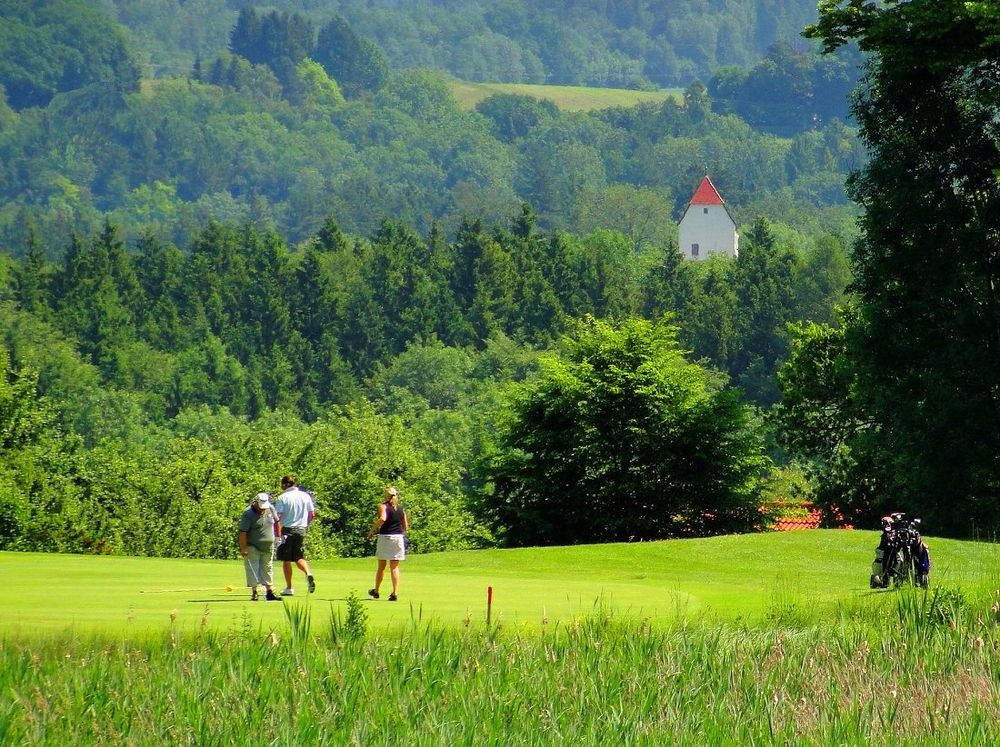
<point>160,272</point>
<point>665,288</point>
<point>32,281</point>
<point>356,64</point>
<point>764,274</point>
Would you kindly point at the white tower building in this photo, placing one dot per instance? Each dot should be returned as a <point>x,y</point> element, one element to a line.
<point>706,226</point>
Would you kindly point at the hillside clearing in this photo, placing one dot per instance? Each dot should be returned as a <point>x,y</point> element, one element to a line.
<point>567,98</point>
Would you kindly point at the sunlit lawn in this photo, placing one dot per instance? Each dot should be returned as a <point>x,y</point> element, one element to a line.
<point>724,578</point>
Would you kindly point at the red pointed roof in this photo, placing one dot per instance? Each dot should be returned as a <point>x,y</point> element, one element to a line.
<point>706,194</point>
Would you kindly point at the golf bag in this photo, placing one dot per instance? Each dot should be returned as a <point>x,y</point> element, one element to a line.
<point>901,554</point>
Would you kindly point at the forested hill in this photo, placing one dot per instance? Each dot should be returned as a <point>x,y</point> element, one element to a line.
<point>285,121</point>
<point>159,232</point>
<point>617,43</point>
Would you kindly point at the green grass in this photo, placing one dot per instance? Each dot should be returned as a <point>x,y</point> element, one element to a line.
<point>730,578</point>
<point>756,640</point>
<point>567,98</point>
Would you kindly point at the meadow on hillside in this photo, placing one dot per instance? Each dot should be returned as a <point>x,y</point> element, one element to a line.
<point>567,98</point>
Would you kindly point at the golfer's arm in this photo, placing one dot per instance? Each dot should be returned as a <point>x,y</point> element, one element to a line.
<point>379,521</point>
<point>244,549</point>
<point>406,522</point>
<point>277,528</point>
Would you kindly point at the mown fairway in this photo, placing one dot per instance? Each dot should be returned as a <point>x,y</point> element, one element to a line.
<point>726,578</point>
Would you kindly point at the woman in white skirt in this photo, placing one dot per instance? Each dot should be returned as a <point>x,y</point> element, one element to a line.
<point>391,526</point>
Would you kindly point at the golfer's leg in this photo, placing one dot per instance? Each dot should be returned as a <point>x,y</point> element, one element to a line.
<point>379,574</point>
<point>265,570</point>
<point>303,565</point>
<point>286,568</point>
<point>394,573</point>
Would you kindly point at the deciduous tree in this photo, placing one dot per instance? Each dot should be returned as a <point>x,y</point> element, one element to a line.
<point>622,438</point>
<point>928,261</point>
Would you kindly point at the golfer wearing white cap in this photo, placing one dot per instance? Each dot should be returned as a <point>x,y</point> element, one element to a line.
<point>258,526</point>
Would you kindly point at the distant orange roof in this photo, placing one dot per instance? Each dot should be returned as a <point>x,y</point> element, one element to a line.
<point>706,194</point>
<point>803,515</point>
<point>791,524</point>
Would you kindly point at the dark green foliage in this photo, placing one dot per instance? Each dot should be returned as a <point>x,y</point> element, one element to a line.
<point>239,74</point>
<point>278,40</point>
<point>238,147</point>
<point>821,422</point>
<point>513,116</point>
<point>789,91</point>
<point>925,344</point>
<point>32,279</point>
<point>356,64</point>
<point>205,373</point>
<point>765,273</point>
<point>95,292</point>
<point>279,142</point>
<point>53,46</point>
<point>623,439</point>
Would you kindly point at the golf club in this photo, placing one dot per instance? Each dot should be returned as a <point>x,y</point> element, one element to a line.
<point>253,571</point>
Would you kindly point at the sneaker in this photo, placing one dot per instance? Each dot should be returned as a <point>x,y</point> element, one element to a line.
<point>289,592</point>
<point>373,594</point>
<point>253,596</point>
<point>312,584</point>
<point>271,597</point>
<point>392,597</point>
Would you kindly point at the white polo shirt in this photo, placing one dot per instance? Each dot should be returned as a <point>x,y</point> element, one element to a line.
<point>294,506</point>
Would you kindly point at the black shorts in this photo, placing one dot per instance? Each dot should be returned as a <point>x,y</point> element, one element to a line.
<point>291,548</point>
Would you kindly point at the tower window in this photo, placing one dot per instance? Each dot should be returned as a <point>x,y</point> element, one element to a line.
<point>706,210</point>
<point>694,250</point>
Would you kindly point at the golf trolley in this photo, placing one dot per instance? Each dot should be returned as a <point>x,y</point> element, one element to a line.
<point>901,555</point>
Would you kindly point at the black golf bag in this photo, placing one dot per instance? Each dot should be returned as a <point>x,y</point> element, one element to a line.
<point>901,554</point>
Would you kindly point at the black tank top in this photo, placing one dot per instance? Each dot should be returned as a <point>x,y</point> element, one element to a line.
<point>393,520</point>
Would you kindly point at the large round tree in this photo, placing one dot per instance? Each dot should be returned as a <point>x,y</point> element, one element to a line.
<point>622,438</point>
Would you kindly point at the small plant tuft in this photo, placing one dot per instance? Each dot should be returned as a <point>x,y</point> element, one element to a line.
<point>351,627</point>
<point>946,606</point>
<point>300,619</point>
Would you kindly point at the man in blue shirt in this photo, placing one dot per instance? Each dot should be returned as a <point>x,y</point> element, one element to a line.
<point>296,511</point>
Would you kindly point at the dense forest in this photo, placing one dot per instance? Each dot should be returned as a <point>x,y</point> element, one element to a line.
<point>616,43</point>
<point>280,125</point>
<point>296,253</point>
<point>415,339</point>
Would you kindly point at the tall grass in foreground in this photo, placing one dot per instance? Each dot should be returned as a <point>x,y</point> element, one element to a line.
<point>930,674</point>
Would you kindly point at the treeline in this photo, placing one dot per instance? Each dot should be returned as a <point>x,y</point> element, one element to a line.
<point>623,43</point>
<point>294,138</point>
<point>153,388</point>
<point>241,321</point>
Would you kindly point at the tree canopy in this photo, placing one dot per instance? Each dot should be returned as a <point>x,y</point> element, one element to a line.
<point>622,438</point>
<point>54,46</point>
<point>925,344</point>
